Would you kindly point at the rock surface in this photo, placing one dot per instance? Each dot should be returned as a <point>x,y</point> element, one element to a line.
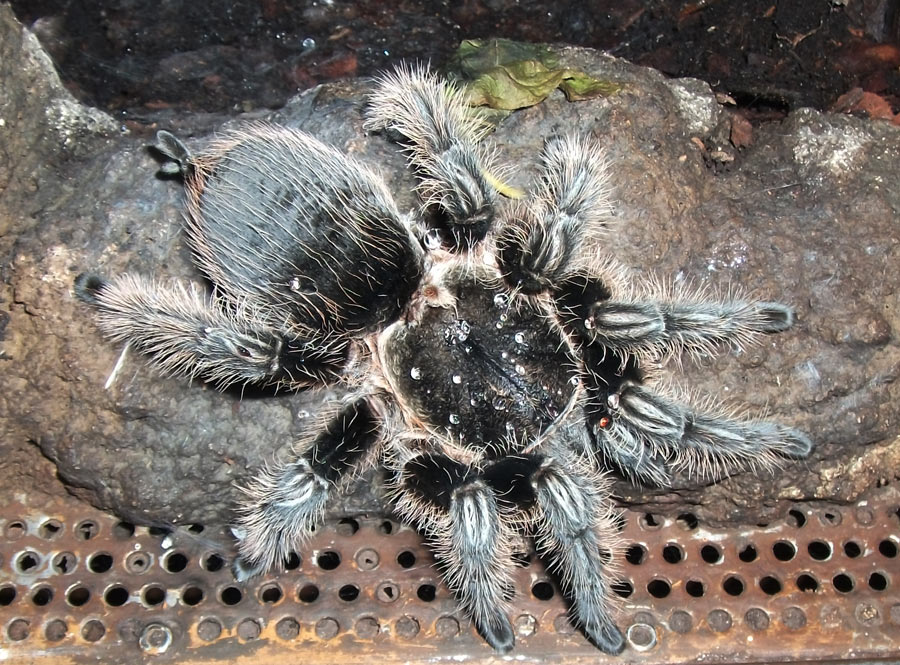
<point>807,214</point>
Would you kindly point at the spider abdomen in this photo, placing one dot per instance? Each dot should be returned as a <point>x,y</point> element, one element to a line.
<point>281,218</point>
<point>486,372</point>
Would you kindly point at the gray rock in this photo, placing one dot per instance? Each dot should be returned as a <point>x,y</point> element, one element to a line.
<point>807,215</point>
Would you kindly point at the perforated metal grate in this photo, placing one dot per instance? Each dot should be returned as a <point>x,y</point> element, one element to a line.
<point>74,584</point>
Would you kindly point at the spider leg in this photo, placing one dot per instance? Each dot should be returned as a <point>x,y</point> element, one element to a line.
<point>576,529</point>
<point>662,326</point>
<point>707,444</point>
<point>460,514</point>
<point>668,328</point>
<point>186,332</point>
<point>442,139</point>
<point>284,504</point>
<point>539,241</point>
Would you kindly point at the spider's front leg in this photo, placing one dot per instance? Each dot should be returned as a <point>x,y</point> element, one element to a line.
<point>186,332</point>
<point>460,514</point>
<point>442,138</point>
<point>284,503</point>
<point>540,241</point>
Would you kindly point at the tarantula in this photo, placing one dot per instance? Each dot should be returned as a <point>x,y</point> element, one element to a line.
<point>495,360</point>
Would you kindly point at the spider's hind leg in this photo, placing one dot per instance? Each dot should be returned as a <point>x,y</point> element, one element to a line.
<point>442,138</point>
<point>576,530</point>
<point>461,516</point>
<point>285,503</point>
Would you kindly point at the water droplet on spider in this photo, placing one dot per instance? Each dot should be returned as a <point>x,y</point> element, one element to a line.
<point>458,331</point>
<point>504,355</point>
<point>456,378</point>
<point>520,370</point>
<point>415,373</point>
<point>295,284</point>
<point>589,323</point>
<point>501,300</point>
<point>472,402</point>
<point>454,419</point>
<point>499,325</point>
<point>573,381</point>
<point>303,413</point>
<point>519,337</point>
<point>499,403</point>
<point>612,401</point>
<point>503,318</point>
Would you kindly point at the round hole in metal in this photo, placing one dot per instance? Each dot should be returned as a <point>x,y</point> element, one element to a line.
<point>733,585</point>
<point>308,593</point>
<point>55,630</point>
<point>192,595</point>
<point>18,629</point>
<point>711,553</point>
<point>42,596</point>
<point>86,529</point>
<point>687,521</point>
<point>650,522</point>
<point>78,595</point>
<point>796,518</point>
<point>843,582</point>
<point>348,592</point>
<point>819,550</point>
<point>784,551</point>
<point>292,562</point>
<point>748,553</point>
<point>406,559</point>
<point>673,553</point>
<point>64,563</point>
<point>807,583</point>
<point>50,529</point>
<point>542,590</point>
<point>328,560</point>
<point>888,548</point>
<point>622,588</point>
<point>635,554</point>
<point>116,596</point>
<point>7,594</point>
<point>426,592</point>
<point>231,595</point>
<point>347,527</point>
<point>93,630</point>
<point>695,588</point>
<point>123,530</point>
<point>27,562</point>
<point>138,562</point>
<point>100,562</point>
<point>852,549</point>
<point>153,595</point>
<point>15,530</point>
<point>212,562</point>
<point>270,593</point>
<point>659,588</point>
<point>878,581</point>
<point>770,585</point>
<point>175,562</point>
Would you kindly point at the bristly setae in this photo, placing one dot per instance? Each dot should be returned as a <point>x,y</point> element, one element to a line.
<point>495,361</point>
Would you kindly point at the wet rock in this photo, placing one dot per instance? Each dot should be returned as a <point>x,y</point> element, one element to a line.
<point>805,215</point>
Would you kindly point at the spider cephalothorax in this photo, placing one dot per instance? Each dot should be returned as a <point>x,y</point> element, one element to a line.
<point>495,361</point>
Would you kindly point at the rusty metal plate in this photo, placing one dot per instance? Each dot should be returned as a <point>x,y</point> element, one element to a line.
<point>77,584</point>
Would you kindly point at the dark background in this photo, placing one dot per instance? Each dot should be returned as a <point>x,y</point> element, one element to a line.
<point>135,57</point>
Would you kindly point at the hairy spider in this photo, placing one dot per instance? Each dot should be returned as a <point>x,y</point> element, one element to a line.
<point>496,361</point>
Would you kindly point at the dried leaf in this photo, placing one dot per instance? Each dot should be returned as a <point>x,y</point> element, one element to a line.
<point>509,75</point>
